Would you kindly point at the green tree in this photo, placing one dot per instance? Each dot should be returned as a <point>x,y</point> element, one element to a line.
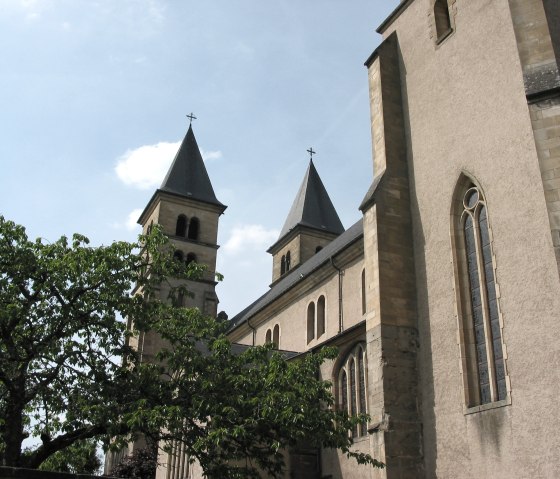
<point>82,457</point>
<point>67,373</point>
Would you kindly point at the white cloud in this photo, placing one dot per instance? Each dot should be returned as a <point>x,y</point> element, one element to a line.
<point>146,166</point>
<point>255,237</point>
<point>129,222</point>
<point>132,218</point>
<point>210,155</point>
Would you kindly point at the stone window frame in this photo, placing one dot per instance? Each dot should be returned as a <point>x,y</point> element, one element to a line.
<point>358,394</point>
<point>432,28</point>
<point>466,330</point>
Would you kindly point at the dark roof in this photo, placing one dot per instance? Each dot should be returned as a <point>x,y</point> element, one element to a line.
<point>298,274</point>
<point>187,175</point>
<point>312,206</point>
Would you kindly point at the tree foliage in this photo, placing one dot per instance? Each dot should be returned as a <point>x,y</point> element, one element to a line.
<point>81,457</point>
<point>67,373</point>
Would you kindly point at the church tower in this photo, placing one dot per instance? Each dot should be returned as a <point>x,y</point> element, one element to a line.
<point>187,209</point>
<point>312,223</point>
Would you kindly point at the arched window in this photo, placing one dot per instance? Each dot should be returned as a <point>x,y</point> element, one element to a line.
<point>194,227</point>
<point>191,258</point>
<point>442,19</point>
<point>310,322</point>
<point>364,291</point>
<point>288,261</point>
<point>319,248</point>
<point>268,337</point>
<point>480,327</point>
<point>178,255</point>
<point>352,383</point>
<point>283,264</point>
<point>320,316</point>
<point>181,228</point>
<point>276,337</point>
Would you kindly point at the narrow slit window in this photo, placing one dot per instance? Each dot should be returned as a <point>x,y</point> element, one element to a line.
<point>310,322</point>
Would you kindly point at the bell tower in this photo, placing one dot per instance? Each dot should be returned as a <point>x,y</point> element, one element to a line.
<point>187,209</point>
<point>312,223</point>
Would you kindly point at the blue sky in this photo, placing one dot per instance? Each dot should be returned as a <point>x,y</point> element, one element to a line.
<point>94,96</point>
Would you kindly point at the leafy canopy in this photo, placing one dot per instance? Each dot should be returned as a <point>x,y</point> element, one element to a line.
<point>68,373</point>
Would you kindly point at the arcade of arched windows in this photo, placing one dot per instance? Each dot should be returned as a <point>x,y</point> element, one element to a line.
<point>351,382</point>
<point>316,319</point>
<point>273,336</point>
<point>189,229</point>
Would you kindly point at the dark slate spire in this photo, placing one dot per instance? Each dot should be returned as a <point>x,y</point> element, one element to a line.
<point>187,175</point>
<point>313,207</point>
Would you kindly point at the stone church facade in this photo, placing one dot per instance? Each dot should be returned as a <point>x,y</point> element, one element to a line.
<point>444,297</point>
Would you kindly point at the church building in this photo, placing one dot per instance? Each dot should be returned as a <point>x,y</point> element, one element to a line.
<point>443,298</point>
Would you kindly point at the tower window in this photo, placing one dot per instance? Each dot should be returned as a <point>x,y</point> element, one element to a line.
<point>178,255</point>
<point>194,227</point>
<point>319,248</point>
<point>288,261</point>
<point>479,315</point>
<point>191,258</point>
<point>283,264</point>
<point>442,19</point>
<point>181,227</point>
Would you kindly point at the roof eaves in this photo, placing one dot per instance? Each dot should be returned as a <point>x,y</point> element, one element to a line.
<point>349,237</point>
<point>393,16</point>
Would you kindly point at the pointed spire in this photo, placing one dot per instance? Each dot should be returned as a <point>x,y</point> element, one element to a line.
<point>312,206</point>
<point>187,175</point>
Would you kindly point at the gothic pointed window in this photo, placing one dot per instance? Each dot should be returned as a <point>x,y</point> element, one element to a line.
<point>480,324</point>
<point>181,226</point>
<point>283,264</point>
<point>352,380</point>
<point>288,261</point>
<point>194,227</point>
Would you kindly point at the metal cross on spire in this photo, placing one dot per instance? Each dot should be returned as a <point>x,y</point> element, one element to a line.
<point>311,153</point>
<point>191,117</point>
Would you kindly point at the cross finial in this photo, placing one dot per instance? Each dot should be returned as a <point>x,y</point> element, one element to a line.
<point>191,117</point>
<point>311,153</point>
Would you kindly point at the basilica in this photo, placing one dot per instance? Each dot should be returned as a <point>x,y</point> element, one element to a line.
<point>443,298</point>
